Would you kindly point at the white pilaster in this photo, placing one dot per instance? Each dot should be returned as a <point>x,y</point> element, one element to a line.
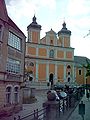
<point>55,79</point>
<point>47,53</point>
<point>64,54</point>
<point>65,79</point>
<point>56,53</point>
<point>63,41</point>
<point>36,71</point>
<point>37,51</point>
<point>39,37</point>
<point>73,74</point>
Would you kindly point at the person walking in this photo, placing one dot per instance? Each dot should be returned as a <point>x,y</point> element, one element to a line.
<point>87,95</point>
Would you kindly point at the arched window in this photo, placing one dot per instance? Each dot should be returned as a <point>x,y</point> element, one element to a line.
<point>16,95</point>
<point>8,94</point>
<point>51,54</point>
<point>68,66</point>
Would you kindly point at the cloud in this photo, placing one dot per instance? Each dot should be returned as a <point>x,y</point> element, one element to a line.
<point>51,13</point>
<point>78,7</point>
<point>22,11</point>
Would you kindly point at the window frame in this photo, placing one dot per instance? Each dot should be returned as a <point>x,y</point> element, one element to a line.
<point>16,95</point>
<point>15,41</point>
<point>13,66</point>
<point>80,72</point>
<point>8,95</point>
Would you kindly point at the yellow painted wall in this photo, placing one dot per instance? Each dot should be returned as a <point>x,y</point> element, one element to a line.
<point>42,72</point>
<point>42,52</point>
<point>69,55</point>
<point>59,41</point>
<point>88,80</point>
<point>31,50</point>
<point>60,54</point>
<point>66,42</point>
<point>79,78</point>
<point>51,68</point>
<point>51,40</point>
<point>35,36</point>
<point>60,72</point>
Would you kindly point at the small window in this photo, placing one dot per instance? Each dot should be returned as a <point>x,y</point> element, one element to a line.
<point>80,72</point>
<point>68,67</point>
<point>51,41</point>
<point>16,94</point>
<point>8,95</point>
<point>68,73</point>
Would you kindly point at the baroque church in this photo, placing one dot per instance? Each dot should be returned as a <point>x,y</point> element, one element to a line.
<point>50,59</point>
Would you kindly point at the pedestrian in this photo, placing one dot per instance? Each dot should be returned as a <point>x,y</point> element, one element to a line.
<point>87,94</point>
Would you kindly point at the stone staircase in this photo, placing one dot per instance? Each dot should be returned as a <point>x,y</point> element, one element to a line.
<point>37,85</point>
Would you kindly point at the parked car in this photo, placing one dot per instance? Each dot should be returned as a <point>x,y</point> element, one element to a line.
<point>62,94</point>
<point>58,86</point>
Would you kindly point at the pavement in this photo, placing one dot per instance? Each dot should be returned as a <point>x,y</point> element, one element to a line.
<point>41,98</point>
<point>75,114</point>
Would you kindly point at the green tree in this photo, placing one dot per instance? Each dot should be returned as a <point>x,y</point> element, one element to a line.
<point>87,68</point>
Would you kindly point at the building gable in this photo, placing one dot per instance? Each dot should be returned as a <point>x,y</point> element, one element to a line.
<point>3,11</point>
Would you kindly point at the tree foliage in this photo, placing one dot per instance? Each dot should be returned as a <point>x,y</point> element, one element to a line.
<point>87,68</point>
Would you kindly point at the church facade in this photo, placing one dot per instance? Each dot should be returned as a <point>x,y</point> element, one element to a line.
<point>50,59</point>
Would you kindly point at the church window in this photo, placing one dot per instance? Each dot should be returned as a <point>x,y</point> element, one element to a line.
<point>68,67</point>
<point>68,73</point>
<point>51,41</point>
<point>80,72</point>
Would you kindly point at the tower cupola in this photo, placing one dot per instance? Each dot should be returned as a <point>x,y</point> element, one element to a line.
<point>64,30</point>
<point>34,24</point>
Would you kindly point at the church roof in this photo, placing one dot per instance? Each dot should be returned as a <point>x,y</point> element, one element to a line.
<point>51,32</point>
<point>34,24</point>
<point>81,60</point>
<point>64,30</point>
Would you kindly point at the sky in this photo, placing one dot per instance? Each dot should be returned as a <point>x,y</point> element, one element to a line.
<point>52,14</point>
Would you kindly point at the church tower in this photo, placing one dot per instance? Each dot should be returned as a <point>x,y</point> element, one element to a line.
<point>64,36</point>
<point>34,31</point>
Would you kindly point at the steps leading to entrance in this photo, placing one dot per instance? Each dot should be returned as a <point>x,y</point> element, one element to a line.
<point>37,85</point>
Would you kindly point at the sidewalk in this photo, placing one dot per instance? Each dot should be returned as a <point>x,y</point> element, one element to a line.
<point>29,108</point>
<point>75,115</point>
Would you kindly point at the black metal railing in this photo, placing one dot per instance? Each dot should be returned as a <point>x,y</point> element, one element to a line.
<point>36,115</point>
<point>65,105</point>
